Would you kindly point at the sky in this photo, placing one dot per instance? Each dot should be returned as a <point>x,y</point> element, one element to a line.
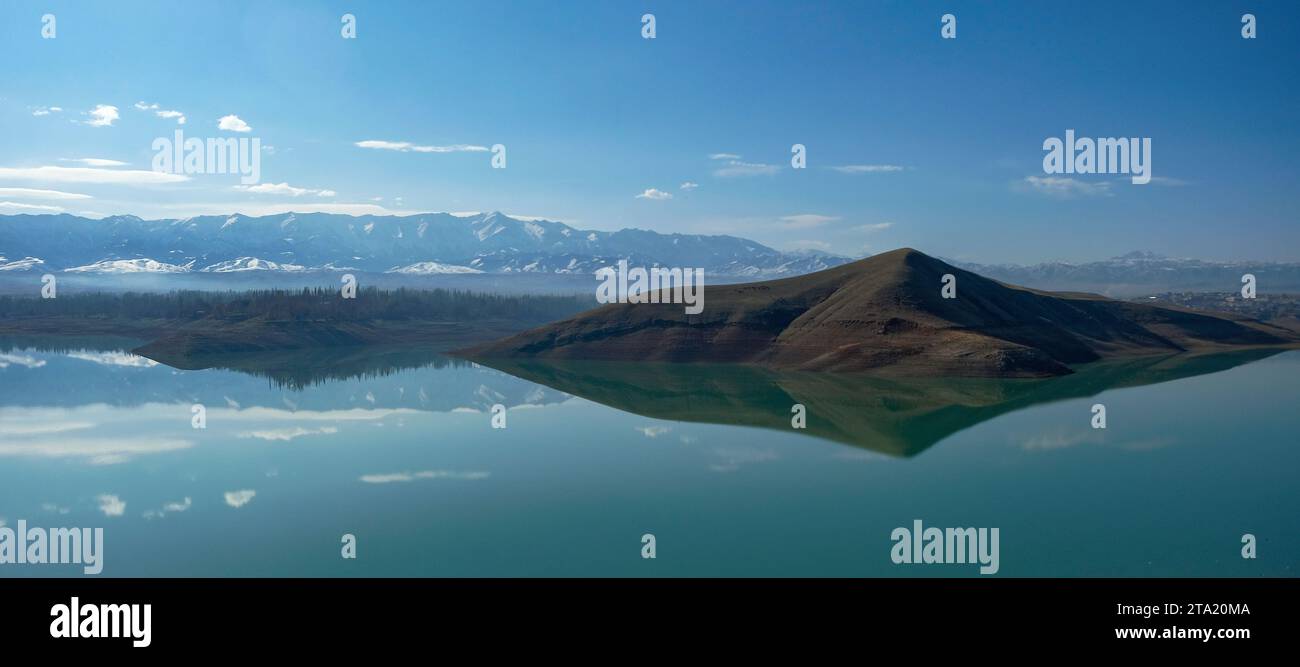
<point>911,139</point>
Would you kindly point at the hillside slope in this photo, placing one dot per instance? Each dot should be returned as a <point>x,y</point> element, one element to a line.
<point>886,312</point>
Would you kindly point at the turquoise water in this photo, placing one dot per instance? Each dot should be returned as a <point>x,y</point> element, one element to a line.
<point>398,449</point>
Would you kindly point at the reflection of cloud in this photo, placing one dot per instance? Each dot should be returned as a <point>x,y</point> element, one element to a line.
<point>286,434</point>
<point>20,360</point>
<point>111,505</point>
<point>389,478</point>
<point>169,508</point>
<point>114,359</point>
<point>97,451</point>
<point>1061,440</point>
<point>734,457</point>
<point>240,498</point>
<point>352,414</point>
<point>653,431</point>
<point>858,455</point>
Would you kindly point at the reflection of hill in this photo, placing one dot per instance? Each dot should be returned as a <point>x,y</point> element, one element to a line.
<point>891,416</point>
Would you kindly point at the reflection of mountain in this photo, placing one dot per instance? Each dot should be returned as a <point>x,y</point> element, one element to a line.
<point>888,312</point>
<point>891,416</point>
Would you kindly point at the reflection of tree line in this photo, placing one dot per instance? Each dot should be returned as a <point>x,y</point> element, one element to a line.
<point>303,369</point>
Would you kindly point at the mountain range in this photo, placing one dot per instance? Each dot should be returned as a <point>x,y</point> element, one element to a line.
<point>887,312</point>
<point>1140,273</point>
<point>424,244</point>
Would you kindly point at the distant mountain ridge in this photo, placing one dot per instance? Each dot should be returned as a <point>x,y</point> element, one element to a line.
<point>1140,273</point>
<point>429,243</point>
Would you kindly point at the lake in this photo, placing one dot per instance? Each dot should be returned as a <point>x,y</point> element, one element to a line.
<point>397,448</point>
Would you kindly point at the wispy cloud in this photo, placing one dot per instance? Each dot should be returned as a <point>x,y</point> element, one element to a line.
<point>284,189</point>
<point>408,147</point>
<point>50,174</point>
<point>654,193</point>
<point>740,168</point>
<point>1065,188</point>
<point>19,207</point>
<point>103,115</point>
<point>45,111</point>
<point>233,123</point>
<point>874,227</point>
<point>688,186</point>
<point>95,161</point>
<point>808,220</point>
<point>724,156</point>
<point>867,168</point>
<point>162,113</point>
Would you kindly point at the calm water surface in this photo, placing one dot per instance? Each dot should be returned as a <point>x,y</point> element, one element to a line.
<point>397,448</point>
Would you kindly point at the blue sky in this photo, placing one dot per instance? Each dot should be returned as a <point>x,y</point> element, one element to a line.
<point>940,137</point>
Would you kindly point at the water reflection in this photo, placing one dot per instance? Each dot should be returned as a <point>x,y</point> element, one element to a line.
<point>899,417</point>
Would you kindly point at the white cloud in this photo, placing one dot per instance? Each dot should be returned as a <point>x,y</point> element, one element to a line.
<point>145,107</point>
<point>874,227</point>
<point>284,189</point>
<point>240,498</point>
<point>102,115</point>
<point>45,111</point>
<point>168,113</point>
<point>653,431</point>
<point>95,161</point>
<point>1065,188</point>
<point>233,123</point>
<point>50,174</point>
<point>808,219</point>
<point>653,193</point>
<point>739,168</point>
<point>408,147</point>
<point>689,186</point>
<point>724,156</point>
<point>111,505</point>
<point>15,207</point>
<point>867,168</point>
<point>389,478</point>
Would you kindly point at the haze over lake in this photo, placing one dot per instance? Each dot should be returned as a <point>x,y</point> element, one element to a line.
<point>396,447</point>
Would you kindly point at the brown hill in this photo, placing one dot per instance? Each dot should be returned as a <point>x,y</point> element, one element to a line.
<point>886,312</point>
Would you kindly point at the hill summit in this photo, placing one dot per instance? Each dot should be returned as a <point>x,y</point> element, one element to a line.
<point>887,312</point>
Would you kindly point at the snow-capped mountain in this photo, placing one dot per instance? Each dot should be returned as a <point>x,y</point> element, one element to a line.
<point>143,265</point>
<point>430,243</point>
